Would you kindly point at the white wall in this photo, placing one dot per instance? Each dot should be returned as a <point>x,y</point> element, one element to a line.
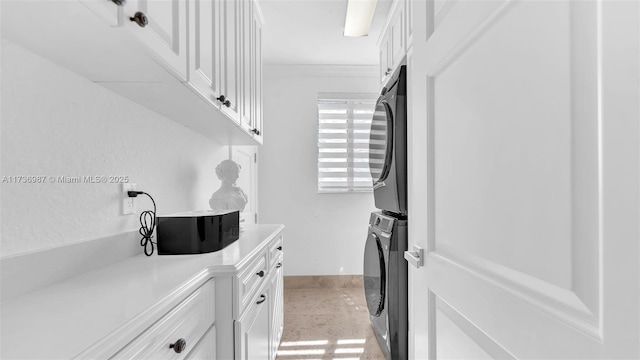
<point>55,123</point>
<point>325,233</point>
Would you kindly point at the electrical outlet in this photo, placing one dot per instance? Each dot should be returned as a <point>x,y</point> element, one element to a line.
<point>128,203</point>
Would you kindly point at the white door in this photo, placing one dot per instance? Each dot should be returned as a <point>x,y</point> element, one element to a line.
<point>524,179</point>
<point>246,157</point>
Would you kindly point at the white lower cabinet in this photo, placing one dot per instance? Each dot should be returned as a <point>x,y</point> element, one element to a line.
<point>252,330</point>
<point>206,348</point>
<point>277,311</point>
<point>176,334</point>
<point>222,305</point>
<point>236,315</point>
<point>249,308</point>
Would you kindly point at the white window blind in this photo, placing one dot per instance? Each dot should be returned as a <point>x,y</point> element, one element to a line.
<point>344,121</point>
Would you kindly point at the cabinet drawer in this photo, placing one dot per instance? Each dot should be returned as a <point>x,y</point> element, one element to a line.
<point>206,348</point>
<point>189,320</point>
<point>275,252</point>
<point>250,280</point>
<point>276,263</point>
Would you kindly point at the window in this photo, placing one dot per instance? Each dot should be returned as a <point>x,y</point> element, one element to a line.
<point>344,121</point>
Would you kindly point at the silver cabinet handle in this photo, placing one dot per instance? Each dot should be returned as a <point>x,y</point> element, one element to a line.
<point>415,257</point>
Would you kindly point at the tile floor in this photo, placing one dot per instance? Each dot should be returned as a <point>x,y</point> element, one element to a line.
<point>327,323</point>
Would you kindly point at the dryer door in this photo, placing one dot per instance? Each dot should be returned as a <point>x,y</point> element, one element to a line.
<point>380,142</point>
<point>375,274</point>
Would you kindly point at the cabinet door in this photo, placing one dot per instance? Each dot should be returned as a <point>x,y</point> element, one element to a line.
<point>408,10</point>
<point>247,75</point>
<point>108,11</point>
<point>189,321</point>
<point>397,38</point>
<point>256,96</point>
<point>165,33</point>
<point>252,330</point>
<point>385,68</point>
<point>231,55</point>
<point>204,64</point>
<point>277,310</point>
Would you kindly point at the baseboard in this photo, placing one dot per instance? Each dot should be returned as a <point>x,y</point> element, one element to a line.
<point>323,282</point>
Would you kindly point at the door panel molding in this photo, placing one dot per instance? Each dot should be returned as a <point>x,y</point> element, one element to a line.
<point>472,23</point>
<point>443,11</point>
<point>562,304</point>
<point>479,337</point>
<point>172,40</point>
<point>584,288</point>
<point>568,340</point>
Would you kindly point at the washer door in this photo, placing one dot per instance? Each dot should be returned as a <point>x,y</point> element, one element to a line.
<point>375,275</point>
<point>381,142</point>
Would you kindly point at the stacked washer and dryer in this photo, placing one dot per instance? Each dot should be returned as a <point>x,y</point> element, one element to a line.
<point>385,269</point>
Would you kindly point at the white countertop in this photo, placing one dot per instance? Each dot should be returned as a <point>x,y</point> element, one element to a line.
<point>63,320</point>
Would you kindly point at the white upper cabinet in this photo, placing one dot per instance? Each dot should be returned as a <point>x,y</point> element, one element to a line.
<point>110,11</point>
<point>251,68</point>
<point>213,70</point>
<point>397,35</point>
<point>205,39</point>
<point>196,62</point>
<point>385,63</point>
<point>161,25</point>
<point>408,10</point>
<point>393,43</point>
<point>230,58</point>
<point>256,68</point>
<point>247,55</point>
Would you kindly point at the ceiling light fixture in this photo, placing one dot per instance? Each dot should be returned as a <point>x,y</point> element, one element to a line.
<point>359,17</point>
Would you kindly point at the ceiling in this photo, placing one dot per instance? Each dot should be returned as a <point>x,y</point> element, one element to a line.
<point>310,32</point>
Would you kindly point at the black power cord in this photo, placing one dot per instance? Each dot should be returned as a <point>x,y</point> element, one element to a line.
<point>147,224</point>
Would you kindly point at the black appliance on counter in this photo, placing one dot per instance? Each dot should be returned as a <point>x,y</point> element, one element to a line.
<point>197,232</point>
<point>385,269</point>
